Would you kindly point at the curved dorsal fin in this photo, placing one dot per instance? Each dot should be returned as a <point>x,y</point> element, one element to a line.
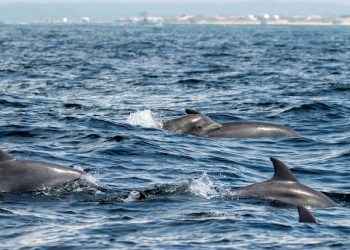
<point>305,215</point>
<point>282,172</point>
<point>5,156</point>
<point>192,111</point>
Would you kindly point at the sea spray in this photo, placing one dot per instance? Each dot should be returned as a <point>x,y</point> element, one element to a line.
<point>144,118</point>
<point>203,187</point>
<point>132,196</point>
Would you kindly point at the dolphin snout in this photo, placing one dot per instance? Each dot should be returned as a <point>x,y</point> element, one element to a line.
<point>209,128</point>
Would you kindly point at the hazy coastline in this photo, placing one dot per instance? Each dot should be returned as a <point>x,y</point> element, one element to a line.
<point>236,13</point>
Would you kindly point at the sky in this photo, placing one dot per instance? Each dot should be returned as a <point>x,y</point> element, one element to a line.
<point>14,11</point>
<point>170,1</point>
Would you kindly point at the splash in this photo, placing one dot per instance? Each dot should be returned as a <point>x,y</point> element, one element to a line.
<point>133,196</point>
<point>93,181</point>
<point>89,183</point>
<point>203,187</point>
<point>144,118</point>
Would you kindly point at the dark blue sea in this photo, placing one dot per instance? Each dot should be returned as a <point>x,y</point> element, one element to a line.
<point>92,97</point>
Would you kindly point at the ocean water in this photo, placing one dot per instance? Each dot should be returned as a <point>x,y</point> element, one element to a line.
<point>93,97</point>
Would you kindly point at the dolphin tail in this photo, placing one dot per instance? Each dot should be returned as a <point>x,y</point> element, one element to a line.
<point>305,215</point>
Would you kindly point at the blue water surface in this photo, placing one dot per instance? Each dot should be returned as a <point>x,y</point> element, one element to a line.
<point>93,97</point>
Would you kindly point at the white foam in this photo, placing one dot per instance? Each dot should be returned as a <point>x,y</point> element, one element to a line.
<point>133,196</point>
<point>144,118</point>
<point>92,180</point>
<point>203,187</point>
<point>89,181</point>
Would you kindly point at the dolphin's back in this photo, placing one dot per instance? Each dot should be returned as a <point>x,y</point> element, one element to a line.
<point>192,123</point>
<point>283,186</point>
<point>289,192</point>
<point>176,125</point>
<point>26,176</point>
<point>252,129</point>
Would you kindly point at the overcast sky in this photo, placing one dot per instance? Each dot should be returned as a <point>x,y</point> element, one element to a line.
<point>168,1</point>
<point>13,12</point>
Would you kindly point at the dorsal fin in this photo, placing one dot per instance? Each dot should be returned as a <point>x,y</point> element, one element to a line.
<point>5,156</point>
<point>282,172</point>
<point>305,215</point>
<point>192,111</point>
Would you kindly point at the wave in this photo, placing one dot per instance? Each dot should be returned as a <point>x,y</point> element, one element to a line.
<point>334,110</point>
<point>5,211</point>
<point>217,54</point>
<point>22,131</point>
<point>189,81</point>
<point>72,106</point>
<point>309,107</point>
<point>12,104</point>
<point>341,86</point>
<point>18,133</point>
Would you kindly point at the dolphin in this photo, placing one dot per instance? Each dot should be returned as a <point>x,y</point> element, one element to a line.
<point>284,187</point>
<point>196,123</point>
<point>28,176</point>
<point>305,215</point>
<point>193,123</point>
<point>241,129</point>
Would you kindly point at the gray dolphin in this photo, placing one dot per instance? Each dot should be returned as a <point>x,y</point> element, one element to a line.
<point>27,176</point>
<point>193,123</point>
<point>305,215</point>
<point>251,129</point>
<point>284,187</point>
<point>196,123</point>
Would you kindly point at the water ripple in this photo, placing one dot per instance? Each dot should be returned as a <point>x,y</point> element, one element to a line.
<point>94,97</point>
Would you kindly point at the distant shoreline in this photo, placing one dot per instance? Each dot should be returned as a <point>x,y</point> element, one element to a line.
<point>195,20</point>
<point>183,24</point>
<point>279,23</point>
